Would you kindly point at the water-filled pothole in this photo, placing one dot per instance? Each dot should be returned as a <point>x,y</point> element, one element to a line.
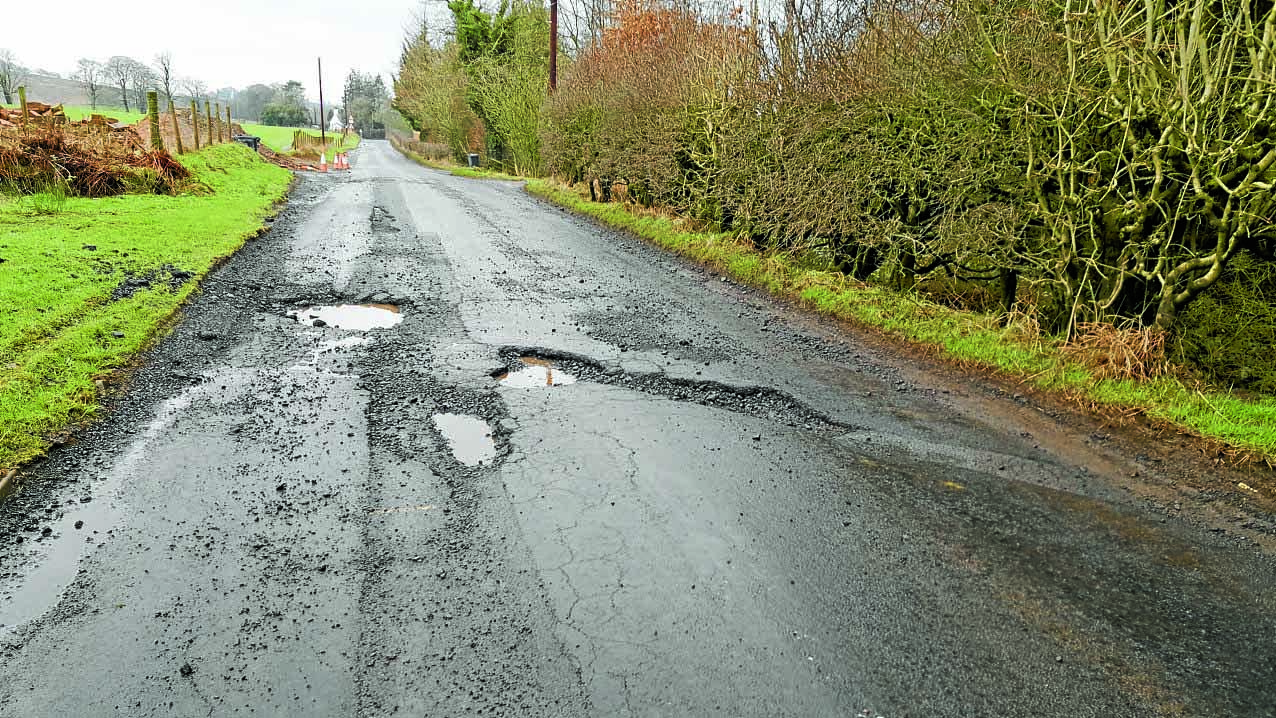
<point>469,437</point>
<point>355,317</point>
<point>536,372</point>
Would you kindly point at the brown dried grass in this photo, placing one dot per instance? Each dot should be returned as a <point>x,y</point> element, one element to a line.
<point>1113,352</point>
<point>87,160</point>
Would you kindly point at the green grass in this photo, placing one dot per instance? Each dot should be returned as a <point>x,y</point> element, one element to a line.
<point>75,113</point>
<point>58,323</point>
<point>279,139</point>
<point>971,338</point>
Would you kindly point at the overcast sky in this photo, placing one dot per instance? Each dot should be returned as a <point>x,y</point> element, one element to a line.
<point>223,42</point>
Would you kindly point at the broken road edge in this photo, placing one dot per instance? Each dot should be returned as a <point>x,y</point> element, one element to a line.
<point>119,376</point>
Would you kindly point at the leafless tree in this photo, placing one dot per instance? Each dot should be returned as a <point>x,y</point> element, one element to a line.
<point>142,78</point>
<point>11,75</point>
<point>90,74</point>
<point>197,89</point>
<point>164,71</point>
<point>119,70</point>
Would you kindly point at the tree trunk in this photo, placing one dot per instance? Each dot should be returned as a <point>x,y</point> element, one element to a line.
<point>1009,290</point>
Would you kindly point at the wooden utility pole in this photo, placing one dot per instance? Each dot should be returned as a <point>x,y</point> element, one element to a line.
<point>553,45</point>
<point>323,136</point>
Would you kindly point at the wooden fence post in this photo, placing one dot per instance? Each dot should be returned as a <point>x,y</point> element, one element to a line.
<point>230,127</point>
<point>177,128</point>
<point>217,112</point>
<point>152,112</point>
<point>208,113</point>
<point>195,122</point>
<point>22,100</point>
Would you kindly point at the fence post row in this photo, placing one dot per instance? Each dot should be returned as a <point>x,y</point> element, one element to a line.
<point>177,128</point>
<point>22,100</point>
<point>195,121</point>
<point>152,113</point>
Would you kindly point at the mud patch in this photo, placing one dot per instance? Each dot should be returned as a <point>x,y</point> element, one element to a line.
<point>166,275</point>
<point>352,317</point>
<point>469,437</point>
<point>535,373</point>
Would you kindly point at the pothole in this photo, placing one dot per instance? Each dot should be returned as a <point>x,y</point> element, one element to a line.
<point>469,437</point>
<point>354,317</point>
<point>759,401</point>
<point>536,372</point>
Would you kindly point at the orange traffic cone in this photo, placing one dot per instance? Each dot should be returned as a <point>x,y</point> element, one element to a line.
<point>345,161</point>
<point>323,161</point>
<point>340,161</point>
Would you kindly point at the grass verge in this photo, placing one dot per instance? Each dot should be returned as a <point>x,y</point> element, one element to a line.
<point>279,139</point>
<point>973,339</point>
<point>85,284</point>
<point>459,171</point>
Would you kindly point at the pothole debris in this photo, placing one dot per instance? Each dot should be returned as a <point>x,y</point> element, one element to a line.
<point>759,401</point>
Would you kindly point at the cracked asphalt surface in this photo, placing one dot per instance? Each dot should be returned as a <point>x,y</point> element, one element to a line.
<point>734,510</point>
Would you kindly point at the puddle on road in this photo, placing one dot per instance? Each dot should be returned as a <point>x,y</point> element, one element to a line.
<point>55,557</point>
<point>469,437</point>
<point>535,373</point>
<point>354,317</point>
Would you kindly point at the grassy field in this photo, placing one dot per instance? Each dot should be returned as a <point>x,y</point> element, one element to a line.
<point>69,317</point>
<point>79,113</point>
<point>76,113</point>
<point>971,338</point>
<point>279,139</point>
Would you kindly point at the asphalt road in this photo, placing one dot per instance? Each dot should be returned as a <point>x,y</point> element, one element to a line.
<point>574,476</point>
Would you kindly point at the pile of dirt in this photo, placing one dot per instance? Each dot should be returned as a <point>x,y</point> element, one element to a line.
<point>186,126</point>
<point>287,162</point>
<point>92,158</point>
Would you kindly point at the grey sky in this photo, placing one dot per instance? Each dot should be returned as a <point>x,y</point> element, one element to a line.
<point>224,42</point>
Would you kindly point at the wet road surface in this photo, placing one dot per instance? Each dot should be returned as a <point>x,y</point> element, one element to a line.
<point>430,447</point>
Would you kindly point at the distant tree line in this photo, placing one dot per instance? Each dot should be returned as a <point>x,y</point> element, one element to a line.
<point>122,81</point>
